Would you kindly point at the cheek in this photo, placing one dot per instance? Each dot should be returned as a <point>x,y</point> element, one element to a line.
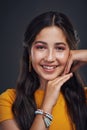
<point>63,58</point>
<point>36,57</point>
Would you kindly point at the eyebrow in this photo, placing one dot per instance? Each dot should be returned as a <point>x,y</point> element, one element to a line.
<point>45,43</point>
<point>40,42</point>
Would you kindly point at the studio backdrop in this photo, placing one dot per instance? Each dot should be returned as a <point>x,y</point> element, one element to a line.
<point>14,18</point>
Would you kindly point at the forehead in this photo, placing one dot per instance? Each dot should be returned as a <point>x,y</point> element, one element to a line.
<point>51,34</point>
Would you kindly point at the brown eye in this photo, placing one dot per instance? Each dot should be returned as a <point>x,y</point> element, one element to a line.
<point>40,47</point>
<point>60,48</point>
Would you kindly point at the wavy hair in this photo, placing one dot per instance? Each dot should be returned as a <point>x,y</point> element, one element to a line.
<point>28,82</point>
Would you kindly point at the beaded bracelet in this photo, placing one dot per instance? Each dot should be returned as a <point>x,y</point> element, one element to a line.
<point>47,117</point>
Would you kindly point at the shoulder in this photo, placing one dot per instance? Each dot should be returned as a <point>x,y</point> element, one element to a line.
<point>6,101</point>
<point>8,95</point>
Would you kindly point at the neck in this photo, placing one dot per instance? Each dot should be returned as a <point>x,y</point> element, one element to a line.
<point>43,84</point>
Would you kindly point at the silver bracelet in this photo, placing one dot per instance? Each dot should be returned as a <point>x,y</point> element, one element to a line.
<point>47,117</point>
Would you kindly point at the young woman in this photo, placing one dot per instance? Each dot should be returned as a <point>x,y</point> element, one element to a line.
<point>49,93</point>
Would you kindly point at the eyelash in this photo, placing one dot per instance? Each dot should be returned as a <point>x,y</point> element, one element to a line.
<point>40,47</point>
<point>60,48</point>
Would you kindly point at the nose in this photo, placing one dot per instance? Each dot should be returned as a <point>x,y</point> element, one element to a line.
<point>50,56</point>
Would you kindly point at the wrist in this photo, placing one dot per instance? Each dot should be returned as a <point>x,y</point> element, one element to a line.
<point>47,108</point>
<point>47,117</point>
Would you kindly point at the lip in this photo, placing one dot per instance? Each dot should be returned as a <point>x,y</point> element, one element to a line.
<point>49,68</point>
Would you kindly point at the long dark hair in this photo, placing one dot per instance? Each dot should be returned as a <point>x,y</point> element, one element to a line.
<point>28,82</point>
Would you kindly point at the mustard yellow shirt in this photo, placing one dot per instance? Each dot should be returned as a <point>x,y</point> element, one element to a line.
<point>61,120</point>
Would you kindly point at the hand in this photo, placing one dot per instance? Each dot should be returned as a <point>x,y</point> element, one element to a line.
<point>76,59</point>
<point>52,91</point>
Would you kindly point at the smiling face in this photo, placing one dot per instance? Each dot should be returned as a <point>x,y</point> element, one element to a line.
<point>49,53</point>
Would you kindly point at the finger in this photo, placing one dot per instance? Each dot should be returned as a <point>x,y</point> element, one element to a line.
<point>65,76</point>
<point>60,78</point>
<point>63,80</point>
<point>68,65</point>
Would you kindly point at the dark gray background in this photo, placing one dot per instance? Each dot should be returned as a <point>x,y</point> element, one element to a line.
<point>14,18</point>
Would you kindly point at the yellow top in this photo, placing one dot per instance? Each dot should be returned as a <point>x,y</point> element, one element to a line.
<point>60,121</point>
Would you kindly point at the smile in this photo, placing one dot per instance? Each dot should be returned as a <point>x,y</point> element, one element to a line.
<point>49,67</point>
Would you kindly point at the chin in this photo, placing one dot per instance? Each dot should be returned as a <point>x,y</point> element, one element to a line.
<point>50,78</point>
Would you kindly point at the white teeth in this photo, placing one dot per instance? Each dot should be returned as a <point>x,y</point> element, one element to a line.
<point>49,67</point>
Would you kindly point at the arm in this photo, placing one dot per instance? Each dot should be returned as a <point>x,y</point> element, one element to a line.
<point>50,99</point>
<point>52,90</point>
<point>78,57</point>
<point>8,125</point>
